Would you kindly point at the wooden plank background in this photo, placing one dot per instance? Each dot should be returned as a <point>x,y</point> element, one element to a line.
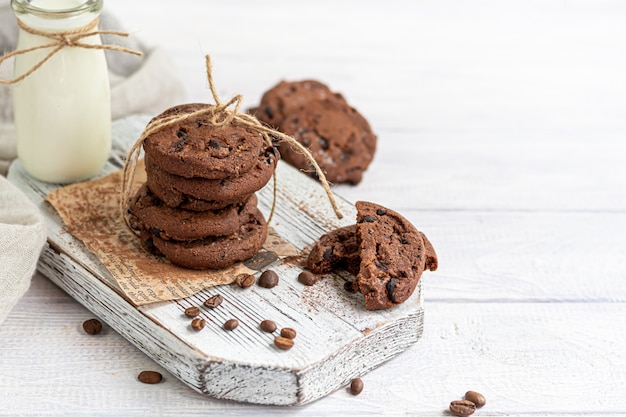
<point>501,135</point>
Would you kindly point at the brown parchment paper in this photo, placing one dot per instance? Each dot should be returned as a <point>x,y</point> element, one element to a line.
<point>90,211</point>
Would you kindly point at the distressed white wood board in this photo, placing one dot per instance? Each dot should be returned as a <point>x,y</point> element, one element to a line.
<point>337,340</point>
<point>527,358</point>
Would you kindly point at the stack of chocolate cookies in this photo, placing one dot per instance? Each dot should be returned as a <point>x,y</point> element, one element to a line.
<point>198,206</point>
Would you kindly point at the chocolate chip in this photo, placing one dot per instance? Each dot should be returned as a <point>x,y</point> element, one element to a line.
<point>214,144</point>
<point>268,326</point>
<point>182,133</point>
<point>150,377</point>
<point>349,286</point>
<point>268,279</point>
<point>150,245</point>
<point>327,253</point>
<point>368,219</point>
<point>356,386</point>
<point>156,231</point>
<point>307,278</point>
<point>92,326</point>
<point>404,241</point>
<point>391,287</point>
<point>288,332</point>
<point>198,324</point>
<point>323,143</point>
<point>381,265</point>
<point>178,146</point>
<point>268,112</point>
<point>231,324</point>
<point>192,311</point>
<point>381,211</point>
<point>214,301</point>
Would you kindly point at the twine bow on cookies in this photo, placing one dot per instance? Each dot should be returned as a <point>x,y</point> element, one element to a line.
<point>60,40</point>
<point>218,115</point>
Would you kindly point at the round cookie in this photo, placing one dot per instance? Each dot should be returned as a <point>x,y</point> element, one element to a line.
<point>228,189</point>
<point>148,212</point>
<point>211,252</point>
<point>195,148</point>
<point>340,139</point>
<point>175,199</point>
<point>393,256</point>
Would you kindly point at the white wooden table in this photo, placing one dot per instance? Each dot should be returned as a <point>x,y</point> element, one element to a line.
<point>502,135</point>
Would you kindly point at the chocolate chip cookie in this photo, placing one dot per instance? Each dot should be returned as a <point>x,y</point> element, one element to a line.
<point>211,252</point>
<point>195,148</point>
<point>174,189</point>
<point>148,212</point>
<point>391,255</point>
<point>338,136</point>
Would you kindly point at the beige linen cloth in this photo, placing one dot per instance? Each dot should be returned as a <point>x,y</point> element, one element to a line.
<point>139,85</point>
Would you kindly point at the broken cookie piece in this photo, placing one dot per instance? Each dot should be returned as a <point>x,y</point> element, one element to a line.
<point>385,251</point>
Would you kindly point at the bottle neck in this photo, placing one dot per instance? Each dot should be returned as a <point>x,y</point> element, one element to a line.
<point>57,15</point>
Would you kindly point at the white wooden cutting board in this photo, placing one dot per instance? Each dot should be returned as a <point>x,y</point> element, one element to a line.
<point>337,339</point>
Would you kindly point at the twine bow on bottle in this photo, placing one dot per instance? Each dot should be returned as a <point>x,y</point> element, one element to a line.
<point>65,39</point>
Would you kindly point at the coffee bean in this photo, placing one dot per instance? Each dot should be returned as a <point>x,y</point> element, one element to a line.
<point>283,343</point>
<point>462,408</point>
<point>231,324</point>
<point>476,397</point>
<point>307,278</point>
<point>288,332</point>
<point>268,326</point>
<point>192,311</point>
<point>92,326</point>
<point>150,377</point>
<point>268,279</point>
<point>245,280</point>
<point>198,324</point>
<point>214,301</point>
<point>356,386</point>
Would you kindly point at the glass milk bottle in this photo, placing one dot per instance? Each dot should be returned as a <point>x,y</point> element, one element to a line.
<point>63,108</point>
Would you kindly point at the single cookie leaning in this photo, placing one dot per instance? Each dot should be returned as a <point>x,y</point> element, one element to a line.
<point>148,212</point>
<point>339,138</point>
<point>211,252</point>
<point>174,189</point>
<point>391,255</point>
<point>196,148</point>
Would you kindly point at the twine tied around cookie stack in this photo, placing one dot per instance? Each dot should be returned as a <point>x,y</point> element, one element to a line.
<point>218,115</point>
<point>60,40</point>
